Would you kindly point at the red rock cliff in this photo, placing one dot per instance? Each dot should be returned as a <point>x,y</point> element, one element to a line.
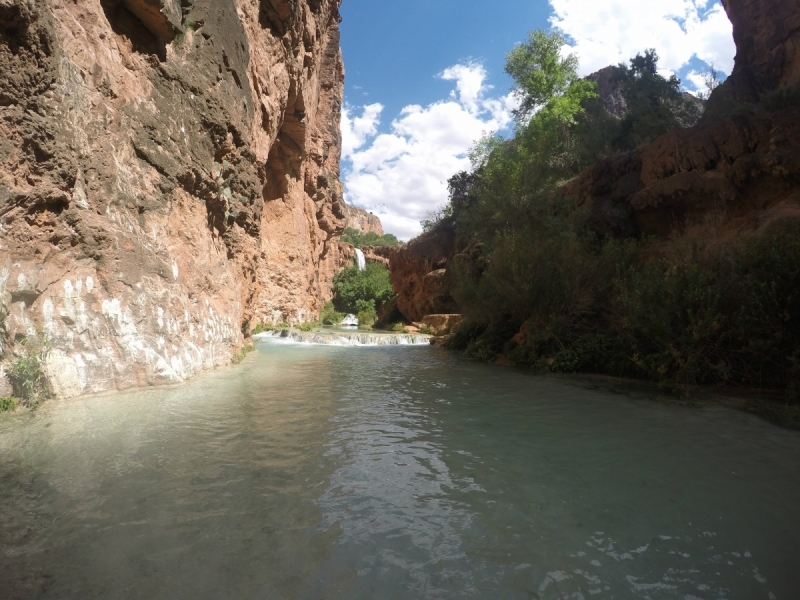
<point>169,177</point>
<point>744,168</point>
<point>767,37</point>
<point>361,220</point>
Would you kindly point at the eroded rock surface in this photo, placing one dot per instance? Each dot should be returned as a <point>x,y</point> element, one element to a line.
<point>419,274</point>
<point>767,37</point>
<point>361,220</point>
<point>745,170</point>
<point>169,177</point>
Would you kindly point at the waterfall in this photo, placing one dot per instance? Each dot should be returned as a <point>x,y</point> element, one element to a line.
<point>361,260</point>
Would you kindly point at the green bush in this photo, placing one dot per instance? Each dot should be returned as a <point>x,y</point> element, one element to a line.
<point>26,371</point>
<point>8,405</point>
<point>352,285</point>
<point>308,326</point>
<point>719,315</point>
<point>366,313</point>
<point>329,315</point>
<point>359,238</point>
<point>399,327</point>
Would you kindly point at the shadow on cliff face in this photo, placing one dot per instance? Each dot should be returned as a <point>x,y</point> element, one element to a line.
<point>26,53</point>
<point>128,25</point>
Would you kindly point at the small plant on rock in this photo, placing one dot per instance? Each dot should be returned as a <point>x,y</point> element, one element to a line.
<point>425,330</point>
<point>26,371</point>
<point>223,174</point>
<point>8,405</point>
<point>242,353</point>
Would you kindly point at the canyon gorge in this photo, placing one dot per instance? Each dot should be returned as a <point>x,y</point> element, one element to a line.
<point>169,178</point>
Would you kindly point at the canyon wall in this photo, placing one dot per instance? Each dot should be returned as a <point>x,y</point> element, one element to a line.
<point>741,167</point>
<point>767,37</point>
<point>361,220</point>
<point>418,271</point>
<point>169,177</point>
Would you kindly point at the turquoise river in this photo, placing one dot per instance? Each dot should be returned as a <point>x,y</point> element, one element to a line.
<point>403,472</point>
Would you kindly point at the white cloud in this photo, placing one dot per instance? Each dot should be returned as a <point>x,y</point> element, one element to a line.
<point>402,175</point>
<point>355,131</point>
<point>613,31</point>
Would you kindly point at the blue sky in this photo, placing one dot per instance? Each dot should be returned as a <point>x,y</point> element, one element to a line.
<point>425,79</point>
<point>394,50</point>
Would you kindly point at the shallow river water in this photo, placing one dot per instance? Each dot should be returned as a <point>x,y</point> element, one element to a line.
<point>395,472</point>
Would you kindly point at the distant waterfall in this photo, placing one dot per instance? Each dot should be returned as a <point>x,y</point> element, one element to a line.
<point>361,260</point>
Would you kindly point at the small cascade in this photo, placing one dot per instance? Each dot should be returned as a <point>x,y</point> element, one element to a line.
<point>361,260</point>
<point>343,338</point>
<point>350,321</point>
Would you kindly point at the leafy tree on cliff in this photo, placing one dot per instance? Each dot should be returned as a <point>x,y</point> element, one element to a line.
<point>655,104</point>
<point>543,78</point>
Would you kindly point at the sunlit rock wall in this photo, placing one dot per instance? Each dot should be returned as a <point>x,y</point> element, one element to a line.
<point>169,177</point>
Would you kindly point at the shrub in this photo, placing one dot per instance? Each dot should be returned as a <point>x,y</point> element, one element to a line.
<point>365,312</point>
<point>26,371</point>
<point>242,353</point>
<point>308,326</point>
<point>399,327</point>
<point>329,315</point>
<point>8,405</point>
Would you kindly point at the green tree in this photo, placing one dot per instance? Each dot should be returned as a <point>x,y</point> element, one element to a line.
<point>359,238</point>
<point>539,71</point>
<point>353,286</point>
<point>655,104</point>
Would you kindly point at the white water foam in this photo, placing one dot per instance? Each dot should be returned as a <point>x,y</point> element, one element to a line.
<point>341,338</point>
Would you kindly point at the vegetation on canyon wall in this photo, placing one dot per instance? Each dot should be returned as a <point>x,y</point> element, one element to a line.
<point>26,372</point>
<point>361,292</point>
<point>370,238</point>
<point>538,284</point>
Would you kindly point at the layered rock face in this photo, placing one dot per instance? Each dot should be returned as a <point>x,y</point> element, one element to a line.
<point>169,177</point>
<point>744,170</point>
<point>361,220</point>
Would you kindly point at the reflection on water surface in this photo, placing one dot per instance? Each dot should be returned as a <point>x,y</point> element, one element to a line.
<point>400,472</point>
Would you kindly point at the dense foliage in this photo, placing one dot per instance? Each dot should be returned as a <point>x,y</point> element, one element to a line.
<point>538,286</point>
<point>362,292</point>
<point>359,238</point>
